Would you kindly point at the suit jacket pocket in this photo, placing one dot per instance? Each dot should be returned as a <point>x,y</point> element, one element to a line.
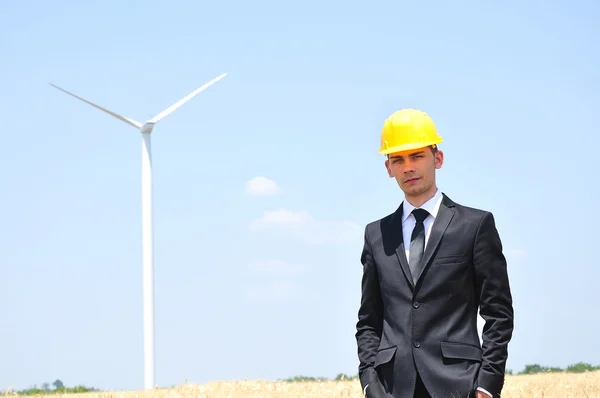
<point>455,350</point>
<point>451,259</point>
<point>384,356</point>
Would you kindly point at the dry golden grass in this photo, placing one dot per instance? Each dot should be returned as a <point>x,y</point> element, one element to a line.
<point>553,385</point>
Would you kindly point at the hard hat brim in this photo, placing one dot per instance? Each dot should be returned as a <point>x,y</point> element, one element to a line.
<point>408,147</point>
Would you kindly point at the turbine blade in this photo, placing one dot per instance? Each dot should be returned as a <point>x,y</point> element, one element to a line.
<point>124,119</point>
<point>185,99</point>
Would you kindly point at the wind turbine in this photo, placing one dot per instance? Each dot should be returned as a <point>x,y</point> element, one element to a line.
<point>147,229</point>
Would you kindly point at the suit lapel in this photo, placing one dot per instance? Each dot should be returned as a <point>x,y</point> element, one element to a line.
<point>438,228</point>
<point>399,245</point>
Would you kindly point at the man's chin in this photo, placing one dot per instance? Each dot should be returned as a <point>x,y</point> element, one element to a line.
<point>412,191</point>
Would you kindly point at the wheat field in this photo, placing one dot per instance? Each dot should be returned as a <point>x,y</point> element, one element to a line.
<point>551,385</point>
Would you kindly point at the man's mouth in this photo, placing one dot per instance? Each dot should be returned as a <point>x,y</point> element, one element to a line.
<point>412,180</point>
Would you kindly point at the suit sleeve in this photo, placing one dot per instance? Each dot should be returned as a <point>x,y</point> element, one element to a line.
<point>370,316</point>
<point>496,307</point>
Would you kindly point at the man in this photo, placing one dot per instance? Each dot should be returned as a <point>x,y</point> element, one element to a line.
<point>427,268</point>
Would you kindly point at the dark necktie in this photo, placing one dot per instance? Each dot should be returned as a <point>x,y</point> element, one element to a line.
<point>417,243</point>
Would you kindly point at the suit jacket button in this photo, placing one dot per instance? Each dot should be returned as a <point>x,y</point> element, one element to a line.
<point>416,304</point>
<point>417,344</point>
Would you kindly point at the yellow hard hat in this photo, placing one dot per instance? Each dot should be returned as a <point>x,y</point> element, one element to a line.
<point>408,129</point>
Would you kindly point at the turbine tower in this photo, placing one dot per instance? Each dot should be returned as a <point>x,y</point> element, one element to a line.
<point>147,229</point>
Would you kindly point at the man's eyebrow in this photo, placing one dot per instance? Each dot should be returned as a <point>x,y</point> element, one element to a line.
<point>411,154</point>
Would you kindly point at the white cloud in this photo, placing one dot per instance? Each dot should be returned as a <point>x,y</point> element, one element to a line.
<point>262,186</point>
<point>302,225</point>
<point>277,267</point>
<point>283,218</point>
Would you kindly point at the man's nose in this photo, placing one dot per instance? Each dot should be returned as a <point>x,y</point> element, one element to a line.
<point>408,167</point>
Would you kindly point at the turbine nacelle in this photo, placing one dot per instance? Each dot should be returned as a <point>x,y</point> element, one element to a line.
<point>147,127</point>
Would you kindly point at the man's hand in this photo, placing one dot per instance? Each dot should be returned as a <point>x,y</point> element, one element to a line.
<point>481,394</point>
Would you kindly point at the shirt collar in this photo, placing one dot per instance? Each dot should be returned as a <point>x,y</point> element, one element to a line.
<point>432,206</point>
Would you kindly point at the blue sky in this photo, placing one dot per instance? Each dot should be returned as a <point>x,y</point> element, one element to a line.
<point>255,280</point>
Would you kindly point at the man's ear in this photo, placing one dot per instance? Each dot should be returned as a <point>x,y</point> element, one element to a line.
<point>439,159</point>
<point>389,170</point>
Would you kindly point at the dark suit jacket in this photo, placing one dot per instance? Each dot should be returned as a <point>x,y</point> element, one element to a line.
<point>432,327</point>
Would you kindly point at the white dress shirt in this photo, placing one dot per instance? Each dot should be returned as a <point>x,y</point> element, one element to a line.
<point>408,223</point>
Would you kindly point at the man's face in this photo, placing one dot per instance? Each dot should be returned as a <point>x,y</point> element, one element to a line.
<point>414,170</point>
